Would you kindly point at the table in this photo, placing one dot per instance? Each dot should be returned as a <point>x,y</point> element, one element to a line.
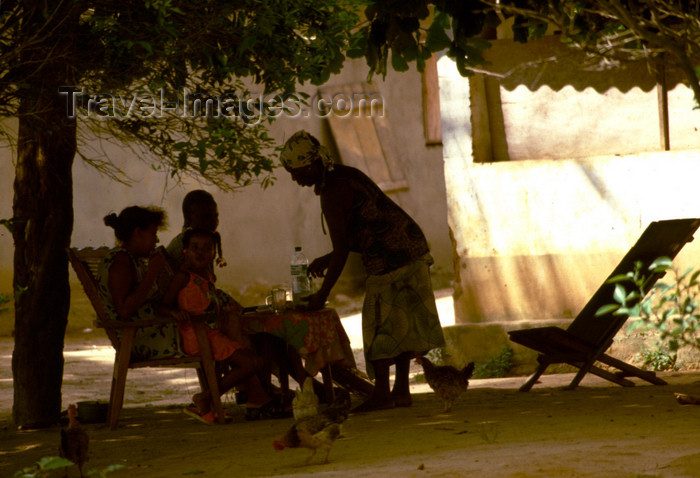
<point>318,336</point>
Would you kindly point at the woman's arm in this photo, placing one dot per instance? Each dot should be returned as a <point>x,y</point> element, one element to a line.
<point>169,301</point>
<point>122,276</point>
<point>318,266</point>
<point>335,209</point>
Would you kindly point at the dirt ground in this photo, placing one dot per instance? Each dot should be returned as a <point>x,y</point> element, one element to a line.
<point>599,430</point>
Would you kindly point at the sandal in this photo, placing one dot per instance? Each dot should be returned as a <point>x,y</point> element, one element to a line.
<point>207,418</point>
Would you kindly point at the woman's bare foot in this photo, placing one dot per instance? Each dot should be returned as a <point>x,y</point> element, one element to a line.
<point>402,399</point>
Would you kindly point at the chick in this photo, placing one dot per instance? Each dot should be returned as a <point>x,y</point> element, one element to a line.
<point>305,401</point>
<point>316,431</point>
<point>74,441</point>
<point>447,382</point>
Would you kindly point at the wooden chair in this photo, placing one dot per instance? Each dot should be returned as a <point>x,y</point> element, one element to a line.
<point>587,338</point>
<point>121,334</point>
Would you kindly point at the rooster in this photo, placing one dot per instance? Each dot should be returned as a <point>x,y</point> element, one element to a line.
<point>316,431</point>
<point>74,441</point>
<point>447,382</point>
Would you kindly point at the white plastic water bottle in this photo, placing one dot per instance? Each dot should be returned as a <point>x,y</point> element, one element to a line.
<point>299,265</point>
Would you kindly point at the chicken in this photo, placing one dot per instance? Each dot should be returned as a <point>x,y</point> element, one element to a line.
<point>317,431</point>
<point>74,441</point>
<point>305,401</point>
<point>447,382</point>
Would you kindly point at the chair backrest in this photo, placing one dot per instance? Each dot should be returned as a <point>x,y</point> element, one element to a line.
<point>86,263</point>
<point>660,238</point>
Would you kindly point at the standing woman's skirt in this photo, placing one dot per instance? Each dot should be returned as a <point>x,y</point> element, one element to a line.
<point>399,313</point>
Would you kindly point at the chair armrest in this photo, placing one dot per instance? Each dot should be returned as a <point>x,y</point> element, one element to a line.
<point>157,320</point>
<point>120,324</point>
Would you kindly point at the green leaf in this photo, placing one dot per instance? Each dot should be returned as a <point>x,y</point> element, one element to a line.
<point>398,63</point>
<point>661,264</point>
<point>8,223</point>
<point>623,311</point>
<point>437,39</point>
<point>442,19</point>
<point>619,294</point>
<point>146,46</point>
<point>480,43</point>
<point>606,309</point>
<point>633,311</point>
<point>694,278</point>
<point>618,278</point>
<point>54,462</point>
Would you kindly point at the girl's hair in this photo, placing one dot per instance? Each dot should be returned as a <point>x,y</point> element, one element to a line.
<point>193,199</point>
<point>189,233</point>
<point>134,217</point>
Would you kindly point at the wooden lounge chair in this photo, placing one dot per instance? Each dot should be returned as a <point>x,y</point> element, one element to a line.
<point>121,334</point>
<point>587,338</point>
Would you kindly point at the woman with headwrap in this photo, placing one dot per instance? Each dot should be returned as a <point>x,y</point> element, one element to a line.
<point>399,315</point>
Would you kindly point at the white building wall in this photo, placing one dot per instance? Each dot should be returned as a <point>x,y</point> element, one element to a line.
<point>536,237</point>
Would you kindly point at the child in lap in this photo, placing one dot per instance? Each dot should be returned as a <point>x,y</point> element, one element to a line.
<point>194,292</point>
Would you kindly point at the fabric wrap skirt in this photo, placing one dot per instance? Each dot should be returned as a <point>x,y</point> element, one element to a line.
<point>399,313</point>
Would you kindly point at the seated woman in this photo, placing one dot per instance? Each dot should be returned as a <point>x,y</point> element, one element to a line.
<point>127,279</point>
<point>128,284</point>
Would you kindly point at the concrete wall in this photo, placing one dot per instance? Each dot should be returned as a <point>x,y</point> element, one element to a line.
<point>536,235</point>
<point>259,227</point>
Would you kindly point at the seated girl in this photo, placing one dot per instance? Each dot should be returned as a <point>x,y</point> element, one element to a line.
<point>192,293</point>
<point>200,211</point>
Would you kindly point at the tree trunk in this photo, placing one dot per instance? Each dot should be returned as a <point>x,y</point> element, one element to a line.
<point>43,222</point>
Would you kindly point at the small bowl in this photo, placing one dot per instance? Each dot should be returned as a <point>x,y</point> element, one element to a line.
<point>93,411</point>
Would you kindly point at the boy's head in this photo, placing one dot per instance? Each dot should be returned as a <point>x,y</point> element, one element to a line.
<point>200,210</point>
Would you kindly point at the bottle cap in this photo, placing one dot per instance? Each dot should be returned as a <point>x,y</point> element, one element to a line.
<point>297,248</point>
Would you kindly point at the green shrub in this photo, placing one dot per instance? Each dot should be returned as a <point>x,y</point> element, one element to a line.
<point>658,360</point>
<point>497,366</point>
<point>45,465</point>
<point>672,308</point>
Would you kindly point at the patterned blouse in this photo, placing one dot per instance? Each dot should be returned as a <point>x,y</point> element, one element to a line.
<point>157,341</point>
<point>383,233</point>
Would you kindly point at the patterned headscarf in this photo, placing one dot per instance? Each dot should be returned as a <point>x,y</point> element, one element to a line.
<point>301,150</point>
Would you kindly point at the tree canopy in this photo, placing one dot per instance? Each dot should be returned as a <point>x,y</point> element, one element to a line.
<point>610,31</point>
<point>132,62</point>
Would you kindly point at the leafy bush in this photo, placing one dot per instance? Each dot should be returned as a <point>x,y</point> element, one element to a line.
<point>45,465</point>
<point>671,307</point>
<point>658,360</point>
<point>497,366</point>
